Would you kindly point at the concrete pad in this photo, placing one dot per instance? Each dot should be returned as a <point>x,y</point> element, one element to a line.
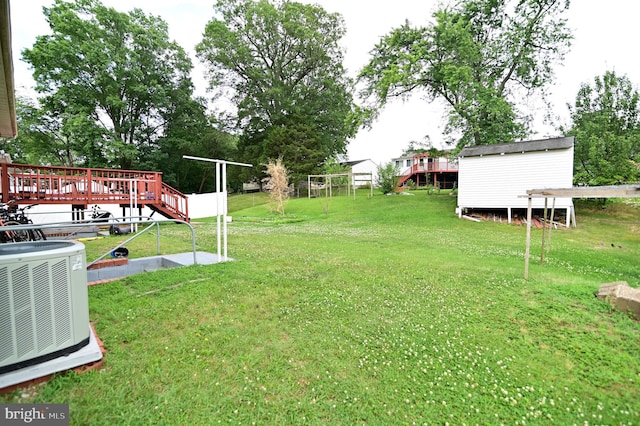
<point>152,263</point>
<point>85,355</point>
<point>186,259</point>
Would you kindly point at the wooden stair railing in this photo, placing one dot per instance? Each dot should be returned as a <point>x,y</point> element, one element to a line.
<point>85,186</point>
<point>173,204</point>
<point>404,178</point>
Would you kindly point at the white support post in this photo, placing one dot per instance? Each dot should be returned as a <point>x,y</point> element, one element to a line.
<point>224,209</point>
<point>221,204</point>
<point>218,236</point>
<point>133,201</point>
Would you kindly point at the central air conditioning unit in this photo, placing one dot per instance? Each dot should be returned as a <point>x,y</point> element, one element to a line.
<point>44,307</point>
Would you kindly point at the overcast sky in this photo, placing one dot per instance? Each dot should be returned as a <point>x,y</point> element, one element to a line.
<point>606,37</point>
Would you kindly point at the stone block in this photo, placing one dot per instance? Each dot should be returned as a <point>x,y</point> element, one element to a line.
<point>610,289</point>
<point>621,296</point>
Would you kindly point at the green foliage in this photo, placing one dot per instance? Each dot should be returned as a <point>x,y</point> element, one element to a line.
<point>431,189</point>
<point>61,138</point>
<point>119,70</point>
<point>298,142</point>
<point>191,132</point>
<point>283,66</point>
<point>606,126</point>
<point>480,57</point>
<point>387,177</point>
<point>333,167</point>
<point>410,184</point>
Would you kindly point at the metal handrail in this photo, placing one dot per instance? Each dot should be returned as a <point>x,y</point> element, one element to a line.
<point>124,222</point>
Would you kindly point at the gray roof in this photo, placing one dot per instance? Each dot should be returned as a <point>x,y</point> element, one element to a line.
<point>526,146</point>
<point>352,163</point>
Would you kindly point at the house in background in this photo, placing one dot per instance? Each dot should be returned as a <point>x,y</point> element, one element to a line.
<point>496,177</point>
<point>423,169</point>
<point>362,172</point>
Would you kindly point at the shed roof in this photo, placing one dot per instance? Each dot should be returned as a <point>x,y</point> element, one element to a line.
<point>525,146</point>
<point>353,163</point>
<point>613,191</point>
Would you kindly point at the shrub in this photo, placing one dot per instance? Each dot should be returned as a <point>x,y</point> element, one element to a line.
<point>387,178</point>
<point>410,184</point>
<point>277,183</point>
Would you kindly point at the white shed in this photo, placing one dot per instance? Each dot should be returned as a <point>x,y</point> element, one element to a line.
<point>498,176</point>
<point>363,172</point>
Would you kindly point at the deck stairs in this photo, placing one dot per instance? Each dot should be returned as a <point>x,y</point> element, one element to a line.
<point>83,187</point>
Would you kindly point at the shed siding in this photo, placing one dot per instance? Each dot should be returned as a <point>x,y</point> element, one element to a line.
<point>500,181</point>
<point>365,166</point>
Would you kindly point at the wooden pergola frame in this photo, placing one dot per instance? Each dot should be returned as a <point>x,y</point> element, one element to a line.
<point>617,191</point>
<point>348,175</point>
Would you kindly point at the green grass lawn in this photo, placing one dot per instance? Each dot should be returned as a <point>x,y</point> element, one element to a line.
<point>382,310</point>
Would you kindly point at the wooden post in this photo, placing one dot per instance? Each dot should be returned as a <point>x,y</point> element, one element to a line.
<point>544,228</point>
<point>4,182</point>
<point>528,244</point>
<point>371,184</point>
<point>553,212</point>
<point>88,186</point>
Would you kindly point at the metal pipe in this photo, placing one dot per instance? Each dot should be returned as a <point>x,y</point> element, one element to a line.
<point>218,236</point>
<point>224,211</point>
<point>77,224</point>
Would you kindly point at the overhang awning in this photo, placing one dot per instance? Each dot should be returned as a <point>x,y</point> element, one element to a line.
<point>8,124</point>
<point>613,191</point>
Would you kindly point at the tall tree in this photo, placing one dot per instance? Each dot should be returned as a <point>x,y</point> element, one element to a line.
<point>283,66</point>
<point>119,70</point>
<point>606,126</point>
<point>480,57</point>
<point>62,138</point>
<point>192,132</point>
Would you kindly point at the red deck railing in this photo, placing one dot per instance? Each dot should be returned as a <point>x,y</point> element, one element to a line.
<point>422,165</point>
<point>72,185</point>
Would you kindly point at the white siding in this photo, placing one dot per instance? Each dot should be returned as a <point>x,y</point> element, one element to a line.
<point>499,181</point>
<point>200,206</point>
<point>366,166</point>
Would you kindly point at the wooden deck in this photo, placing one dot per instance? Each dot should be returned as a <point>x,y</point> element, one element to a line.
<point>32,184</point>
<point>442,171</point>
